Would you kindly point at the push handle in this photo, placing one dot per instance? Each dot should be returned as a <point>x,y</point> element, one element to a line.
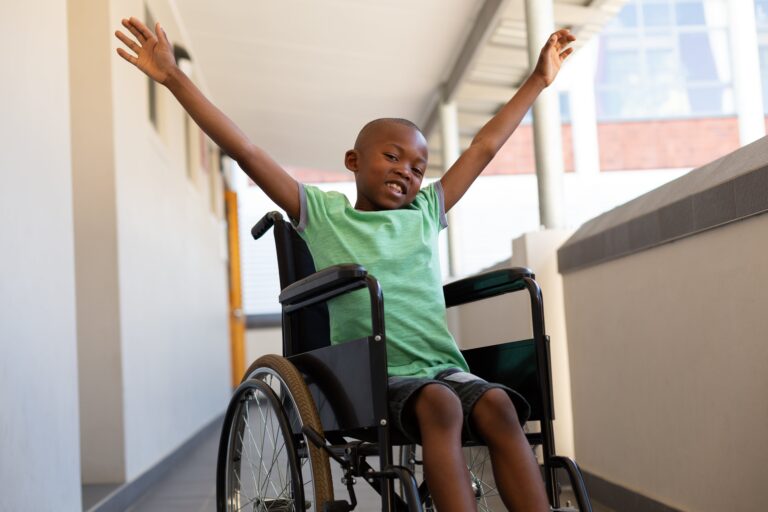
<point>264,225</point>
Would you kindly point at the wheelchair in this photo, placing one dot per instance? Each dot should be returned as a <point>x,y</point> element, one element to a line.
<point>293,414</point>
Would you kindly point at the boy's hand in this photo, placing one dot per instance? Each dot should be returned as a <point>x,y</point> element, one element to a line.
<point>154,54</point>
<point>552,55</point>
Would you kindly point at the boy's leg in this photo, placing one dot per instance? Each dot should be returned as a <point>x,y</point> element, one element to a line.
<point>514,467</point>
<point>440,418</point>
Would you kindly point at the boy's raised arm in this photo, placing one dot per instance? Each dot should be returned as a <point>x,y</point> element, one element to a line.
<point>457,180</point>
<point>154,56</point>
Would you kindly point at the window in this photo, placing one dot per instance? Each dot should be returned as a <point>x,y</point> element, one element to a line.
<point>152,85</point>
<point>761,17</point>
<point>665,58</point>
<point>764,75</point>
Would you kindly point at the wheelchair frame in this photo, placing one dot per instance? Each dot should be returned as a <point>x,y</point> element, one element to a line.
<point>353,403</point>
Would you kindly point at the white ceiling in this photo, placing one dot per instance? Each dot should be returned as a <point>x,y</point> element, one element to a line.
<point>301,77</point>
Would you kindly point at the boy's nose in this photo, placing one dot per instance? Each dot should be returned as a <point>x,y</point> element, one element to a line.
<point>403,171</point>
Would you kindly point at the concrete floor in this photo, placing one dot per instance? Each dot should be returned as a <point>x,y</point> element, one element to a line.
<point>191,487</point>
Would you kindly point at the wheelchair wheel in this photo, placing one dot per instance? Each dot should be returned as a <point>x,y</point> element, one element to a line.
<point>480,472</point>
<point>481,475</point>
<point>295,475</point>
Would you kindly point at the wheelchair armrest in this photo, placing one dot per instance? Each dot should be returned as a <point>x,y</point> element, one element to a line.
<point>486,285</point>
<point>323,285</point>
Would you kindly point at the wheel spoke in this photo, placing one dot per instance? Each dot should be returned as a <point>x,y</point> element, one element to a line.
<point>268,466</point>
<point>261,455</point>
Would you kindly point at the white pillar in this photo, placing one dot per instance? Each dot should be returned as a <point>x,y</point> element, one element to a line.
<point>97,269</point>
<point>745,60</point>
<point>449,129</point>
<point>586,148</point>
<point>546,121</point>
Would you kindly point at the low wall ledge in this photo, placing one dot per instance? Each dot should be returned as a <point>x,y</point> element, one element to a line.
<point>729,189</point>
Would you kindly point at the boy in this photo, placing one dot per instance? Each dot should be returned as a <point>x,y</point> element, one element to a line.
<point>392,231</point>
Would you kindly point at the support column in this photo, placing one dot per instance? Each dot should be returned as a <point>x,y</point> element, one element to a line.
<point>546,121</point>
<point>586,148</point>
<point>745,60</point>
<point>449,130</point>
<point>94,194</point>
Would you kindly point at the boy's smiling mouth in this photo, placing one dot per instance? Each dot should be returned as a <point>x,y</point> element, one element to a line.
<point>396,187</point>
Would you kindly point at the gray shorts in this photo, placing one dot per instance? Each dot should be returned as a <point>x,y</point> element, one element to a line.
<point>469,388</point>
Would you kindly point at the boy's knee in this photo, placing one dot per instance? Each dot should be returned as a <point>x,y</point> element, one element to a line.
<point>494,408</point>
<point>438,406</point>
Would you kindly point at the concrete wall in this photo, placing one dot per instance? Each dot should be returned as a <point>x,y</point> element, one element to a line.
<point>668,357</point>
<point>261,341</point>
<point>508,318</point>
<point>151,258</point>
<point>39,446</point>
<point>173,274</point>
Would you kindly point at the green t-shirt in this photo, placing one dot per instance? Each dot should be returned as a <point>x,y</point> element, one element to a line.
<point>399,248</point>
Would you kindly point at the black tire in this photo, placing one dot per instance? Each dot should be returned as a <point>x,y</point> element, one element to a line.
<point>262,469</point>
<point>410,455</point>
<point>299,408</point>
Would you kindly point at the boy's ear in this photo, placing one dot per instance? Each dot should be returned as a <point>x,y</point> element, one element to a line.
<point>350,160</point>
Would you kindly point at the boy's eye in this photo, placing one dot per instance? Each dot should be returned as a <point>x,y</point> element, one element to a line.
<point>391,157</point>
<point>417,171</point>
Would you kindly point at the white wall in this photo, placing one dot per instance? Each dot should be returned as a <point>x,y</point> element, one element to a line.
<point>151,258</point>
<point>39,447</point>
<point>172,270</point>
<point>669,350</point>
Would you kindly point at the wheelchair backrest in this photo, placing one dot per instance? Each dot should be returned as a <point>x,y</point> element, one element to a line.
<point>306,329</point>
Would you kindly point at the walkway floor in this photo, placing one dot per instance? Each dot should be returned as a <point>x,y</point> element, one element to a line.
<point>191,487</point>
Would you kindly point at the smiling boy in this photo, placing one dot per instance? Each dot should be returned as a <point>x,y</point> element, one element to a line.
<point>392,231</point>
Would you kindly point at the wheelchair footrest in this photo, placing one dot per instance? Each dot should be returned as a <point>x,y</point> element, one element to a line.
<point>337,506</point>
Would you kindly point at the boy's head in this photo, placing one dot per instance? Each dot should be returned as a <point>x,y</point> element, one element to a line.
<point>389,161</point>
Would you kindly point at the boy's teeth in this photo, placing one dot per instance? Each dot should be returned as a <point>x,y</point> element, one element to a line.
<point>395,187</point>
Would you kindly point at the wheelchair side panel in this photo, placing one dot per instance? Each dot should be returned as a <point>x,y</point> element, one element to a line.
<point>512,364</point>
<point>341,384</point>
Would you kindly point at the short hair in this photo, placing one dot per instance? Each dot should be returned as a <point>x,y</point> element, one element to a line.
<point>383,120</point>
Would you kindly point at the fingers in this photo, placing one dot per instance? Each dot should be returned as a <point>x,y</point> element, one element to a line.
<point>160,31</point>
<point>127,56</point>
<point>565,38</point>
<point>136,33</point>
<point>141,27</point>
<point>130,43</point>
<point>561,38</point>
<point>565,53</point>
<point>138,29</point>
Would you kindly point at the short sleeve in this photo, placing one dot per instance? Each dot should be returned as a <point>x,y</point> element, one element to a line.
<point>438,185</point>
<point>430,200</point>
<point>301,225</point>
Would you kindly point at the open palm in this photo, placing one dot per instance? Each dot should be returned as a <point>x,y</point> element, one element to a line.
<point>153,54</point>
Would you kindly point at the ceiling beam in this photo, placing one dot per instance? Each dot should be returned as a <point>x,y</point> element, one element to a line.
<point>485,92</point>
<point>565,14</point>
<point>513,57</point>
<point>485,23</point>
<point>495,51</point>
<point>472,120</point>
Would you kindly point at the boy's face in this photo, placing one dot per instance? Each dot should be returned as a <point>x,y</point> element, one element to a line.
<point>389,162</point>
